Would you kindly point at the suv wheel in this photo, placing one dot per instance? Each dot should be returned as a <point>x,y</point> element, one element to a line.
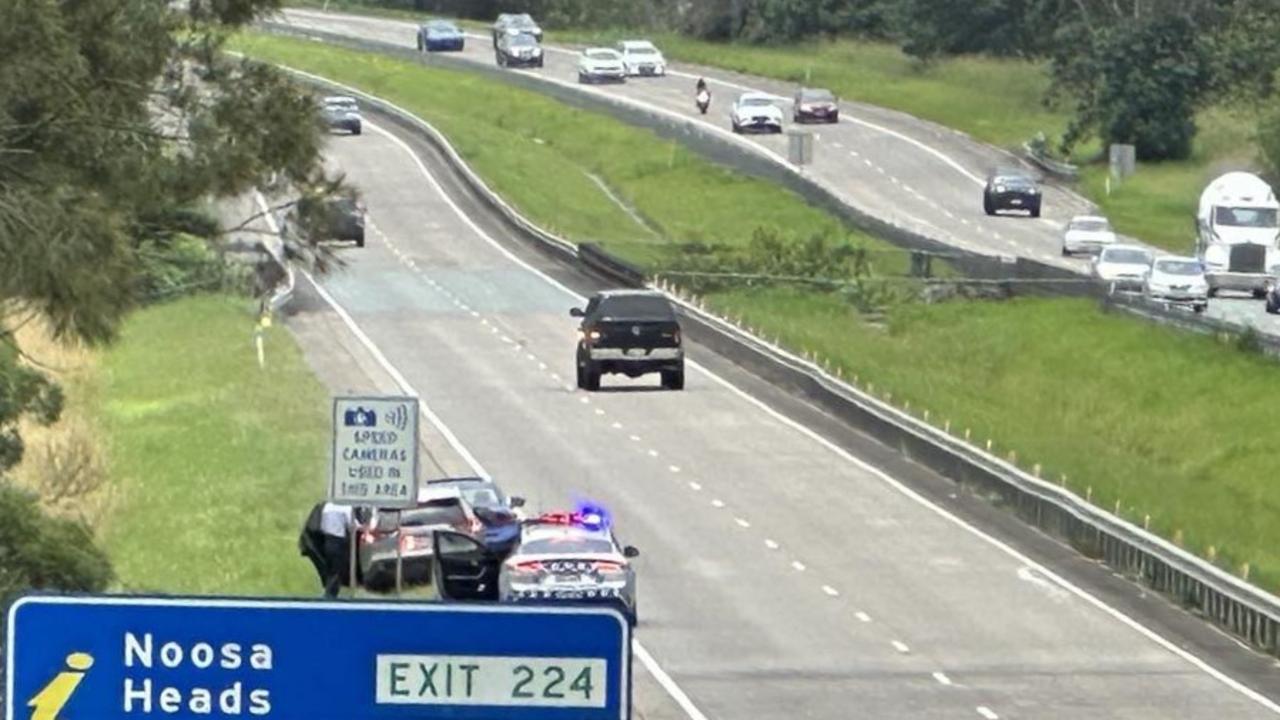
<point>1035,210</point>
<point>673,379</point>
<point>590,373</point>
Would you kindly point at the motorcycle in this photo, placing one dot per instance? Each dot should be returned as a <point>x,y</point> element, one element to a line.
<point>703,100</point>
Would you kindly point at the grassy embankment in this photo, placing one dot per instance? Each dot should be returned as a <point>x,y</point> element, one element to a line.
<point>995,100</point>
<point>1165,424</point>
<point>210,463</point>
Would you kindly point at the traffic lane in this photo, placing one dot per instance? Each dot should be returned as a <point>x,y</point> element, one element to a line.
<point>943,185</point>
<point>1017,640</point>
<point>708,612</point>
<point>346,366</point>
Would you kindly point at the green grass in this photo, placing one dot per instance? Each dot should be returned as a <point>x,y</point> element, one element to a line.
<point>542,154</point>
<point>1171,425</point>
<point>1158,204</point>
<point>214,462</point>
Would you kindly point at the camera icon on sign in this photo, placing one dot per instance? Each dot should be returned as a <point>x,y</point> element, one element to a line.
<point>360,417</point>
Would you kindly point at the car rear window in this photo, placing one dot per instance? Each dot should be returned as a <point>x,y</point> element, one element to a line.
<point>1090,226</point>
<point>636,307</point>
<point>436,512</point>
<point>565,546</point>
<point>817,96</point>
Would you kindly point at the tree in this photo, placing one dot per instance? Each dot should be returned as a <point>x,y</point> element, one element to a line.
<point>117,118</point>
<point>1137,83</point>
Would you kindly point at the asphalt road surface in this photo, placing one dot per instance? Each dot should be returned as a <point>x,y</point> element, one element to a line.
<point>781,576</point>
<point>904,170</point>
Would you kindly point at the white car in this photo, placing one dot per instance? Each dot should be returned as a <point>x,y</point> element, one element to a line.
<point>601,64</point>
<point>640,57</point>
<point>1087,234</point>
<point>755,111</point>
<point>1123,267</point>
<point>1178,280</point>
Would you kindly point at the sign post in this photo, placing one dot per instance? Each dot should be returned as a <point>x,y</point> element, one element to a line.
<point>129,657</point>
<point>375,461</point>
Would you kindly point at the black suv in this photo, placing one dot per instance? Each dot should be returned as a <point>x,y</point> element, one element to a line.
<point>519,22</point>
<point>338,218</point>
<point>518,50</point>
<point>629,332</point>
<point>1011,190</point>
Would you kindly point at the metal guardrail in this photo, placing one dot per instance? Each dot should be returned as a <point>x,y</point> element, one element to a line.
<point>1246,611</point>
<point>1186,320</point>
<point>1057,168</point>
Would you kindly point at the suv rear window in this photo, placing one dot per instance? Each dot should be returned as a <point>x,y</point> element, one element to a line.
<point>636,307</point>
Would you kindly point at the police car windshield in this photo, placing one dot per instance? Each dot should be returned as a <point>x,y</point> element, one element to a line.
<point>566,546</point>
<point>636,307</point>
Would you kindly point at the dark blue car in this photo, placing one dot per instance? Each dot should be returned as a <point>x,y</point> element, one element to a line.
<point>439,35</point>
<point>495,509</point>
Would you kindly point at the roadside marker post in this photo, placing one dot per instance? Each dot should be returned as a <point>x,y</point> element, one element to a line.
<point>125,657</point>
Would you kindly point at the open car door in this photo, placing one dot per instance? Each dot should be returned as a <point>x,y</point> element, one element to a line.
<point>463,568</point>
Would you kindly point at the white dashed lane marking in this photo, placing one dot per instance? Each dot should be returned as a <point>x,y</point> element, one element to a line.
<point>674,468</point>
<point>797,566</point>
<point>901,646</point>
<point>862,617</point>
<point>742,523</point>
<point>694,486</point>
<point>717,503</point>
<point>987,713</point>
<point>771,544</point>
<point>942,678</point>
<point>830,591</point>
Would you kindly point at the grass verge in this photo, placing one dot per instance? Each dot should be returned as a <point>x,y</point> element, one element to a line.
<point>214,462</point>
<point>551,160</point>
<point>1166,424</point>
<point>1163,422</point>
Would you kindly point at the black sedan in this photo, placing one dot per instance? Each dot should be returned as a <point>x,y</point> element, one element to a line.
<point>440,35</point>
<point>815,105</point>
<point>1011,190</point>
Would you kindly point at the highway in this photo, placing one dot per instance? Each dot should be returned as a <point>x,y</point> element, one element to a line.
<point>903,170</point>
<point>782,576</point>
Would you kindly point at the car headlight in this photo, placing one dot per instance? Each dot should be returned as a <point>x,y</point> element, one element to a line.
<point>1000,188</point>
<point>1034,191</point>
<point>537,52</point>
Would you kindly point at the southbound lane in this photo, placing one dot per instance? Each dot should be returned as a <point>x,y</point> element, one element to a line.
<point>780,576</point>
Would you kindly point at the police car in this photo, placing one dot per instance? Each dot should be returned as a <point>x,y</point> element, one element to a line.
<point>562,557</point>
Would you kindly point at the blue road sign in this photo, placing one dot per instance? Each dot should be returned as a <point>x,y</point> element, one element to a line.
<point>117,657</point>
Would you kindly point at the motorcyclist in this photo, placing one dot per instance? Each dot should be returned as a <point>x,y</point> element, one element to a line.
<point>702,95</point>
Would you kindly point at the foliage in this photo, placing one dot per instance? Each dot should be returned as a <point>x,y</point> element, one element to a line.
<point>40,552</point>
<point>23,392</point>
<point>1137,83</point>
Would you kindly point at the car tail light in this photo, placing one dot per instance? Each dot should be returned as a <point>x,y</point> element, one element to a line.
<point>608,570</point>
<point>527,571</point>
<point>411,542</point>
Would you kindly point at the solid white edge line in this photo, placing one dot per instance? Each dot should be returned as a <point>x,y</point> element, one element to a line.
<point>655,670</point>
<point>876,472</point>
<point>646,659</point>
